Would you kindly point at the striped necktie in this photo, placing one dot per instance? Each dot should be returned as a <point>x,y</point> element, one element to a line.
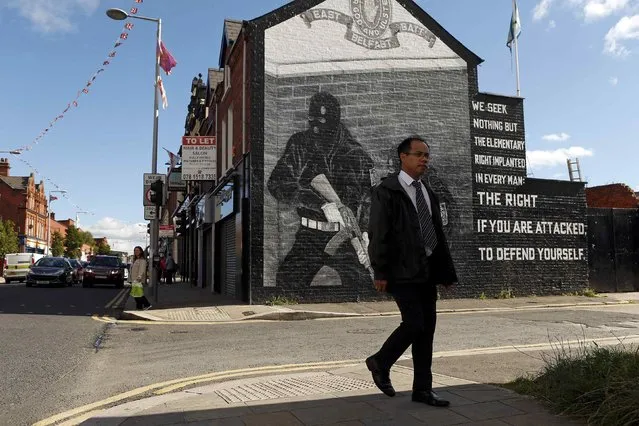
<point>425,220</point>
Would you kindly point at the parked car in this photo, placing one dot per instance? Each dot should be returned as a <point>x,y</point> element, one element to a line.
<point>103,269</point>
<point>78,270</point>
<point>16,265</point>
<point>51,271</point>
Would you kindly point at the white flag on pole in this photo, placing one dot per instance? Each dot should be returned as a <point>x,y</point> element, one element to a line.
<point>515,26</point>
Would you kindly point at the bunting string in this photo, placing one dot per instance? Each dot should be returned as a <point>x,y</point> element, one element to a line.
<point>122,37</point>
<point>53,184</point>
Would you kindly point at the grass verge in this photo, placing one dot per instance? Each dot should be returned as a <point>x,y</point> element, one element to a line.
<point>597,384</point>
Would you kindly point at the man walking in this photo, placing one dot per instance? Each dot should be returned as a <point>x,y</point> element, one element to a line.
<point>410,256</point>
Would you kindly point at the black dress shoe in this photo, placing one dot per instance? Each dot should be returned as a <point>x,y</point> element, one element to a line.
<point>381,377</point>
<point>430,398</point>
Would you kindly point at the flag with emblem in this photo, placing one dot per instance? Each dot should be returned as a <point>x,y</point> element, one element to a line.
<point>515,26</point>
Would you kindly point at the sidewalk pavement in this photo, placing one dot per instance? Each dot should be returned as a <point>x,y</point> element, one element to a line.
<point>180,302</point>
<point>339,395</point>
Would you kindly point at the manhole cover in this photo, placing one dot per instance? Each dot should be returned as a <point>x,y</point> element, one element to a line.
<point>310,384</point>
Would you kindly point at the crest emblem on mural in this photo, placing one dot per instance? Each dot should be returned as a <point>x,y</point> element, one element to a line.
<point>372,17</point>
<point>369,24</point>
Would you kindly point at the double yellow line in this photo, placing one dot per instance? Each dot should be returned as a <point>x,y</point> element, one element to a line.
<point>80,414</point>
<point>119,298</point>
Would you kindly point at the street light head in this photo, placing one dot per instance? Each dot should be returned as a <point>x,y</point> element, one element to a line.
<point>117,14</point>
<point>15,152</point>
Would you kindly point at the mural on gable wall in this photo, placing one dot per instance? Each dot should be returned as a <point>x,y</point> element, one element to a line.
<point>345,82</point>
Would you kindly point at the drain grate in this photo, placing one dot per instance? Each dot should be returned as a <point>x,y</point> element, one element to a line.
<point>314,384</point>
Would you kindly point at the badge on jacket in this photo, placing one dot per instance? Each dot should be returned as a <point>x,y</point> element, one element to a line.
<point>442,208</point>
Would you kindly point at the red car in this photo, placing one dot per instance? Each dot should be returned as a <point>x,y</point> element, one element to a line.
<point>104,269</point>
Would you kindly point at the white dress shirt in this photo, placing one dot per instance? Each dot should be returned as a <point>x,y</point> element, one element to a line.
<point>406,181</point>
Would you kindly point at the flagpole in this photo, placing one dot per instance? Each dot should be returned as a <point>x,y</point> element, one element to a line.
<point>516,51</point>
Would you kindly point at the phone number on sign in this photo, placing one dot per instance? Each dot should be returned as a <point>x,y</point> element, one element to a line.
<point>194,176</point>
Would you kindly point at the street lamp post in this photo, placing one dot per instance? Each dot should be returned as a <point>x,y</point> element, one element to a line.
<point>77,217</point>
<point>49,218</point>
<point>120,15</point>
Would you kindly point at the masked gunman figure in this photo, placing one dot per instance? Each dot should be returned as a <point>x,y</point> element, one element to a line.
<point>326,175</point>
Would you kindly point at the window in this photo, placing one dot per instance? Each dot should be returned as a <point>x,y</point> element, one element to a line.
<point>222,168</point>
<point>227,77</point>
<point>229,149</point>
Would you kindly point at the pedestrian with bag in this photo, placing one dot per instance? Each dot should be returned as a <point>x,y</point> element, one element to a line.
<point>410,257</point>
<point>137,278</point>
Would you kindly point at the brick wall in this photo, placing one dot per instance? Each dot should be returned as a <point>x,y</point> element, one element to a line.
<point>617,195</point>
<point>10,202</point>
<point>379,109</point>
<point>530,234</point>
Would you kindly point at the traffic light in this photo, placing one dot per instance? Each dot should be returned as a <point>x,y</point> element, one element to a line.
<point>148,228</point>
<point>157,193</point>
<point>180,224</point>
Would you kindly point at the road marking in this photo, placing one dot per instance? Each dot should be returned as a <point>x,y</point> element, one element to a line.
<point>605,341</point>
<point>123,298</point>
<point>83,410</point>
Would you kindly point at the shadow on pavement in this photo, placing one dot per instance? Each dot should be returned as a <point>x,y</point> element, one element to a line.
<point>475,404</point>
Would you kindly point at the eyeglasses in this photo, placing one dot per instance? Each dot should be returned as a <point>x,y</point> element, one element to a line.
<point>419,154</point>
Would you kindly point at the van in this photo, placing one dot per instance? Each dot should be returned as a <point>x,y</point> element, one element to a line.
<point>16,265</point>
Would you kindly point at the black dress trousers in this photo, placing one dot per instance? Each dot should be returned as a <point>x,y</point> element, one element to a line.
<point>417,303</point>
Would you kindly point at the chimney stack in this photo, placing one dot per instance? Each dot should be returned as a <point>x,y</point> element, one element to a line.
<point>4,167</point>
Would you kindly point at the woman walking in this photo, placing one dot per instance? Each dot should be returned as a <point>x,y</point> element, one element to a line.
<point>137,278</point>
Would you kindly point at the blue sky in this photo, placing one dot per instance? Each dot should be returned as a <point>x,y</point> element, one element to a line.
<point>578,74</point>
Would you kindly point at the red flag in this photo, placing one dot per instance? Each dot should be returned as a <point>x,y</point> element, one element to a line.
<point>167,61</point>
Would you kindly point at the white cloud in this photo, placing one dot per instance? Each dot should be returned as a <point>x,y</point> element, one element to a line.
<point>49,16</point>
<point>551,25</point>
<point>541,10</point>
<point>614,81</point>
<point>121,236</point>
<point>626,29</point>
<point>597,9</point>
<point>556,157</point>
<point>556,137</point>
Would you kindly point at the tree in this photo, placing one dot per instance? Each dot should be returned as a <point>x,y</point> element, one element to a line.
<point>87,238</point>
<point>57,244</point>
<point>8,239</point>
<point>73,243</point>
<point>102,248</point>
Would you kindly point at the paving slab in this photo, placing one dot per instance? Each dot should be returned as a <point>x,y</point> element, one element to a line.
<point>325,398</point>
